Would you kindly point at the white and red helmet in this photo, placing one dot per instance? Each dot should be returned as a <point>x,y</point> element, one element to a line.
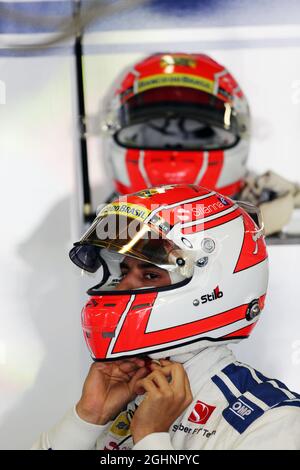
<point>177,118</point>
<point>214,252</point>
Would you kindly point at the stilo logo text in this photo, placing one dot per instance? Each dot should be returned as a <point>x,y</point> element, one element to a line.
<point>216,294</point>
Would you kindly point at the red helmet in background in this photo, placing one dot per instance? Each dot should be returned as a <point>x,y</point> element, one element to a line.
<point>177,118</point>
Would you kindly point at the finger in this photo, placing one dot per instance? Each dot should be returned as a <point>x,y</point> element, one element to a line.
<point>176,372</point>
<point>99,365</point>
<point>187,387</point>
<point>123,370</point>
<point>166,371</point>
<point>180,381</point>
<point>132,373</point>
<point>139,391</point>
<point>128,366</point>
<point>166,362</point>
<point>140,362</point>
<point>135,383</point>
<point>146,385</point>
<point>178,377</point>
<point>138,375</point>
<point>181,386</point>
<point>111,365</point>
<point>144,372</point>
<point>114,372</point>
<point>134,360</point>
<point>108,369</point>
<point>100,368</point>
<point>160,380</point>
<point>118,376</point>
<point>155,366</point>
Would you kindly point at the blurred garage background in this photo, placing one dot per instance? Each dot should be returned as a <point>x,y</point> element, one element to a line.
<point>43,358</point>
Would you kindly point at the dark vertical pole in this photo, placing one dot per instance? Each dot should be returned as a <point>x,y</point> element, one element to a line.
<point>87,204</point>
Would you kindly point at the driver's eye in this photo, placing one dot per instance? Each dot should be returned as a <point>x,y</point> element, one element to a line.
<point>151,276</point>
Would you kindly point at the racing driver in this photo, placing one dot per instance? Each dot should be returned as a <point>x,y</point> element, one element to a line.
<point>182,273</point>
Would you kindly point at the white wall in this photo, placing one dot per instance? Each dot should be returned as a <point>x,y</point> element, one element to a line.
<point>43,359</point>
<point>41,350</point>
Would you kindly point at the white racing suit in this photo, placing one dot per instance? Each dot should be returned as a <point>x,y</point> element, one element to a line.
<point>234,407</point>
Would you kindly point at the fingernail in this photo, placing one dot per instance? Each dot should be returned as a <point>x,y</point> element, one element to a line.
<point>156,361</point>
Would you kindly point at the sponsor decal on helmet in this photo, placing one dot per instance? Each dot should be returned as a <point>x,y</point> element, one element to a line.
<point>128,209</point>
<point>201,413</point>
<point>152,191</point>
<point>176,79</point>
<point>223,200</point>
<point>216,294</point>
<point>177,59</point>
<point>202,210</point>
<point>160,223</point>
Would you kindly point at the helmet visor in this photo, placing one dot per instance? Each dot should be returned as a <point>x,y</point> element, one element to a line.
<point>177,118</point>
<point>255,213</point>
<point>126,236</point>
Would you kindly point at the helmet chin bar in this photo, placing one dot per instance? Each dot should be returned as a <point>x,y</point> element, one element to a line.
<point>181,353</point>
